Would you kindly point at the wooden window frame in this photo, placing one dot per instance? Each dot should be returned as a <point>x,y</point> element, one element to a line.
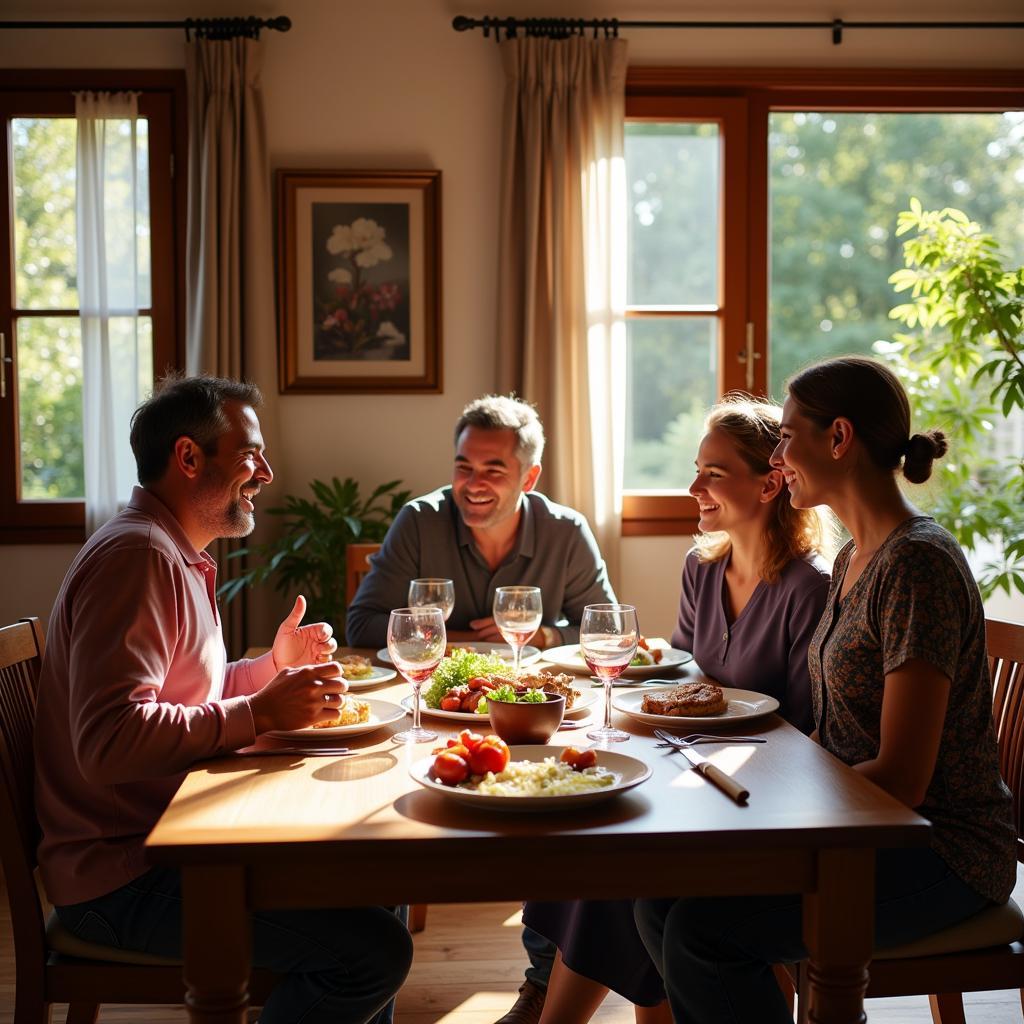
<point>50,94</point>
<point>659,93</point>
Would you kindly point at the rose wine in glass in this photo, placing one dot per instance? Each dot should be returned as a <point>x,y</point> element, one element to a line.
<point>416,643</point>
<point>430,592</point>
<point>609,634</point>
<point>517,614</point>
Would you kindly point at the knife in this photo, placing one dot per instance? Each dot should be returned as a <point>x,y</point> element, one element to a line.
<point>700,764</point>
<point>297,752</point>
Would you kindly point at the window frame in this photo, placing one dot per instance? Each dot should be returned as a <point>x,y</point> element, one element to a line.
<point>657,93</point>
<point>162,100</point>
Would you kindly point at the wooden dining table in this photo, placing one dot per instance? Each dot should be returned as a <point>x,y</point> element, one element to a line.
<point>291,831</point>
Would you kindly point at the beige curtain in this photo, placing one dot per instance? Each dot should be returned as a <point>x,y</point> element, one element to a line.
<point>230,284</point>
<point>561,291</point>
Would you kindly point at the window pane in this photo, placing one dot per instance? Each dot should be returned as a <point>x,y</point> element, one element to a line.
<point>50,408</point>
<point>672,382</point>
<point>43,150</point>
<point>50,400</point>
<point>672,172</point>
<point>838,182</point>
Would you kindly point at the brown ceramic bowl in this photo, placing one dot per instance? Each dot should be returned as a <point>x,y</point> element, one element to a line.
<point>526,722</point>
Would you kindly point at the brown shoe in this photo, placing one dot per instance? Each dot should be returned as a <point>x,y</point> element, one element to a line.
<point>528,1007</point>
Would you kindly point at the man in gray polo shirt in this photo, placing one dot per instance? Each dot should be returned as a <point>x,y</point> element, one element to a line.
<point>489,529</point>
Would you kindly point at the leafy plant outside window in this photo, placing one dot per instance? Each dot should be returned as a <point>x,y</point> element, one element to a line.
<point>962,362</point>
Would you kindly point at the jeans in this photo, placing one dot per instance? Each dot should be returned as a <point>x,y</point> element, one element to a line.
<point>339,966</point>
<point>715,954</point>
<point>542,958</point>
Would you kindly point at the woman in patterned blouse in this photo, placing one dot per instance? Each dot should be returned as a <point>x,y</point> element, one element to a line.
<point>901,693</point>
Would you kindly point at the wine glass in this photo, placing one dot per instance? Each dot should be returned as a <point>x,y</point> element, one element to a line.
<point>608,637</point>
<point>432,593</point>
<point>416,642</point>
<point>517,614</point>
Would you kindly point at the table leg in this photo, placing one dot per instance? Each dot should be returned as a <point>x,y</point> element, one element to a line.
<point>839,921</point>
<point>216,940</point>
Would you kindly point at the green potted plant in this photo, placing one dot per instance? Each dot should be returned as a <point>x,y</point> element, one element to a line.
<point>962,362</point>
<point>309,553</point>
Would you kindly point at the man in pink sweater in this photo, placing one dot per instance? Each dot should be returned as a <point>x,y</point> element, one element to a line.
<point>135,688</point>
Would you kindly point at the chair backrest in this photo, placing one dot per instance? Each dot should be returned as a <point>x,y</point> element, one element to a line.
<point>1005,642</point>
<point>21,656</point>
<point>357,565</point>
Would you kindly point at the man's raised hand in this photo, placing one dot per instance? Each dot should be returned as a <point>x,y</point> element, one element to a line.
<point>302,645</point>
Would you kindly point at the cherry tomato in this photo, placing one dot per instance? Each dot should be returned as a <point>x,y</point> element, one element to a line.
<point>450,769</point>
<point>449,703</point>
<point>579,759</point>
<point>490,756</point>
<point>469,739</point>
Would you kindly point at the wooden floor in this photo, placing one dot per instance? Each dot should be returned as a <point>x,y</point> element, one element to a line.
<point>468,965</point>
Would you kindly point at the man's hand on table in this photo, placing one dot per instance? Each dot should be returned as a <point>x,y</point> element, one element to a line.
<point>297,645</point>
<point>298,697</point>
<point>486,631</point>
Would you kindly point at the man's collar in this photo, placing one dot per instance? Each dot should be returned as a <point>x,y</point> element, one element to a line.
<point>525,532</point>
<point>149,504</point>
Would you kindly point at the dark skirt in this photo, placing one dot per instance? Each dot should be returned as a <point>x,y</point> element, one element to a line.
<point>599,939</point>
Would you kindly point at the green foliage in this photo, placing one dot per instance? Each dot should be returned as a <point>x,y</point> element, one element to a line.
<point>309,554</point>
<point>963,367</point>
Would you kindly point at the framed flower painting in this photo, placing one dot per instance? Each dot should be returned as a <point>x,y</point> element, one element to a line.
<point>359,281</point>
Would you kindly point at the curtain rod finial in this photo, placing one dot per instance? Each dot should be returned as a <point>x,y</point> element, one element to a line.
<point>280,23</point>
<point>461,23</point>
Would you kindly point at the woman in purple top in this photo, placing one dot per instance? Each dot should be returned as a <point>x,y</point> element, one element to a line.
<point>752,594</point>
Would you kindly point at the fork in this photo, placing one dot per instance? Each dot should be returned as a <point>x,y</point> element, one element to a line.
<point>671,740</point>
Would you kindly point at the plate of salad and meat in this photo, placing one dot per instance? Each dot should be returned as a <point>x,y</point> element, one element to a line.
<point>461,685</point>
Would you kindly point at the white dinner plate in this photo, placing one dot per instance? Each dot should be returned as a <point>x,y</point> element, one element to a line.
<point>382,712</point>
<point>503,651</point>
<point>743,705</point>
<point>630,771</point>
<point>569,657</point>
<point>584,700</point>
<point>377,676</point>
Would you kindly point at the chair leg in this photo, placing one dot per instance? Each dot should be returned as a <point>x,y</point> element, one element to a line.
<point>417,917</point>
<point>29,1006</point>
<point>785,980</point>
<point>83,1013</point>
<point>803,988</point>
<point>947,1008</point>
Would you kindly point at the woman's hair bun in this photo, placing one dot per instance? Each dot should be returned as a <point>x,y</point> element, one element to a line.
<point>921,451</point>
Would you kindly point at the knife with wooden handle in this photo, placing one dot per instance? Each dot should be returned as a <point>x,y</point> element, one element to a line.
<point>726,783</point>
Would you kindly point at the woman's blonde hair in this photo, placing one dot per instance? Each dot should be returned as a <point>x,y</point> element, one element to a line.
<point>752,424</point>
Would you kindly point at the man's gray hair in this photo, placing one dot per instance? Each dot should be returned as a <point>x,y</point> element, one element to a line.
<point>506,412</point>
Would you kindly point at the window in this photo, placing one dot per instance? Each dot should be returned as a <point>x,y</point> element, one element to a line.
<point>762,214</point>
<point>41,473</point>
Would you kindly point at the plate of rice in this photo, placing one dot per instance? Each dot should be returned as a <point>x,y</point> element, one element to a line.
<point>536,780</point>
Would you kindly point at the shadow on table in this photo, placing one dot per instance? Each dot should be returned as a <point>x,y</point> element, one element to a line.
<point>433,809</point>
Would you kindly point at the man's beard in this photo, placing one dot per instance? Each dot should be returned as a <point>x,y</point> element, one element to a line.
<point>223,521</point>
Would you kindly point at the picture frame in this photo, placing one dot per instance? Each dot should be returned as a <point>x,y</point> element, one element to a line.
<point>359,282</point>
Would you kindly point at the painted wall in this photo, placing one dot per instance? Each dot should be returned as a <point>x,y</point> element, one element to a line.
<point>390,85</point>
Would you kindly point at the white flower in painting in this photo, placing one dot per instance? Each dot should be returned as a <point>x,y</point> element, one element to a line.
<point>340,276</point>
<point>390,335</point>
<point>378,253</point>
<point>340,240</point>
<point>366,233</point>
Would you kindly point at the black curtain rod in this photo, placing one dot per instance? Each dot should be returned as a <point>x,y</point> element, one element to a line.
<point>205,28</point>
<point>561,28</point>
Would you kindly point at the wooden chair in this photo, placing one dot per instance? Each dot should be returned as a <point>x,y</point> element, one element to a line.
<point>357,565</point>
<point>51,964</point>
<point>986,951</point>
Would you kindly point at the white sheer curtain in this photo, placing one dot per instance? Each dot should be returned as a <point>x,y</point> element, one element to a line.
<point>561,285</point>
<point>111,203</point>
